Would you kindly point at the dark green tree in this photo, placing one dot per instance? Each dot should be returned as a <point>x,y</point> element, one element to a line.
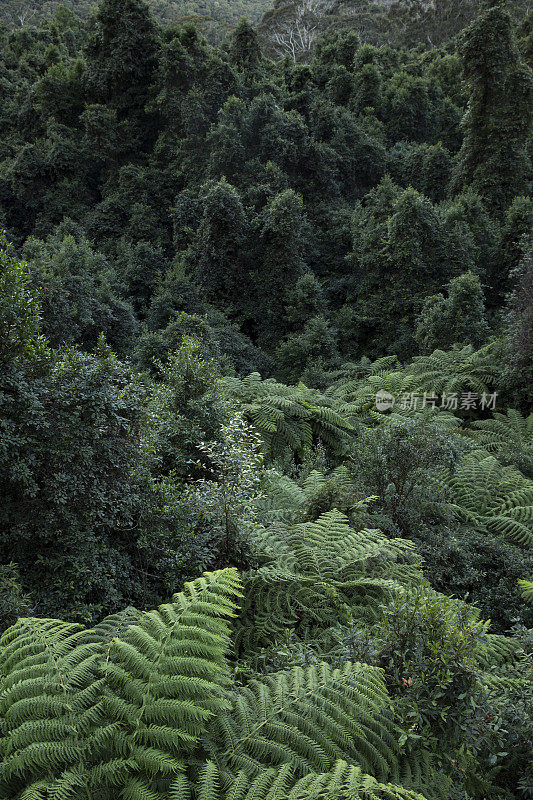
<point>215,257</point>
<point>459,318</point>
<point>518,364</point>
<point>368,85</point>
<point>71,498</point>
<point>401,254</point>
<point>245,52</point>
<point>517,224</point>
<point>408,110</point>
<point>427,168</point>
<point>279,261</point>
<point>476,241</point>
<point>70,449</point>
<point>78,292</point>
<point>141,267</point>
<point>13,603</point>
<point>309,354</point>
<point>19,310</point>
<point>493,159</point>
<point>122,55</point>
<point>184,407</point>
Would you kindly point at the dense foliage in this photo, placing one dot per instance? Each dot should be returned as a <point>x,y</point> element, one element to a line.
<point>215,18</point>
<point>267,323</point>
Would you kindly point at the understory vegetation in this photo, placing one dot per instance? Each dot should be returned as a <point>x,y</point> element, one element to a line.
<point>266,430</point>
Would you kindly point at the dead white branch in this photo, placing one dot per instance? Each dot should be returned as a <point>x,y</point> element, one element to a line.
<point>296,34</point>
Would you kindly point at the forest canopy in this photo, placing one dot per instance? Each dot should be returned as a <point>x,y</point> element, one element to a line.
<point>266,423</point>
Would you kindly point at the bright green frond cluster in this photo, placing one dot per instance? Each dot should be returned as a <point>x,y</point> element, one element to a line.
<point>509,436</point>
<point>50,706</point>
<point>359,397</point>
<point>458,370</point>
<point>289,417</point>
<point>286,499</point>
<point>316,574</point>
<point>132,707</point>
<point>438,375</point>
<point>493,498</point>
<point>527,590</point>
<point>310,718</point>
<point>85,713</point>
<point>343,782</point>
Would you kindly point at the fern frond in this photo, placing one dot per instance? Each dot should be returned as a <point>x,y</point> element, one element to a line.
<point>527,590</point>
<point>509,436</point>
<point>343,782</point>
<point>493,498</point>
<point>167,672</point>
<point>289,417</point>
<point>47,704</point>
<point>499,650</point>
<point>119,706</point>
<point>310,718</point>
<point>455,371</point>
<point>316,574</point>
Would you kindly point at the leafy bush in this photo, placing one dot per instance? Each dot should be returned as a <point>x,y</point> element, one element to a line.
<point>13,603</point>
<point>19,313</point>
<point>481,569</point>
<point>428,646</point>
<point>403,464</point>
<point>69,444</point>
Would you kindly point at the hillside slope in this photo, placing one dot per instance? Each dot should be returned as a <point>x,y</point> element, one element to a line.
<point>291,27</point>
<point>16,13</point>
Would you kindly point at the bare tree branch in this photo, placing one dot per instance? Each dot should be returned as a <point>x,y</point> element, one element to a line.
<point>297,33</point>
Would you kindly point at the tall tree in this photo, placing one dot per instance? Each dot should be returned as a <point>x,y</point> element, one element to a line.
<point>69,450</point>
<point>215,255</point>
<point>457,319</point>
<point>279,259</point>
<point>122,55</point>
<point>245,51</point>
<point>493,159</point>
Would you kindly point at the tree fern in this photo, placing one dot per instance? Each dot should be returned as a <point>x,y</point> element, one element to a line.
<point>405,392</point>
<point>167,675</point>
<point>289,500</point>
<point>493,498</point>
<point>289,417</point>
<point>527,590</point>
<point>509,436</point>
<point>283,499</point>
<point>118,706</point>
<point>50,702</point>
<point>113,625</point>
<point>310,718</point>
<point>356,398</point>
<point>343,782</point>
<point>455,371</point>
<point>499,650</point>
<point>130,707</point>
<point>316,574</point>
